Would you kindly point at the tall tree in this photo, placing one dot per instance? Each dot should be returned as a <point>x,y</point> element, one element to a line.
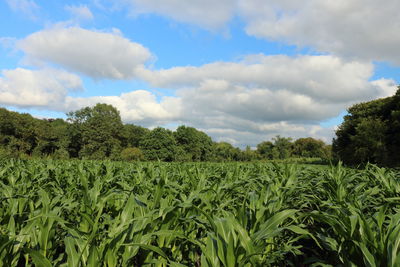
<point>133,134</point>
<point>283,146</point>
<point>18,132</point>
<point>370,132</point>
<point>310,148</point>
<point>226,152</point>
<point>266,150</point>
<point>52,138</point>
<point>159,144</point>
<point>99,129</point>
<point>195,144</point>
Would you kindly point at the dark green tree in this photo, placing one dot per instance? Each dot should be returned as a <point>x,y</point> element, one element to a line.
<point>283,147</point>
<point>370,132</point>
<point>133,134</point>
<point>195,144</point>
<point>224,151</point>
<point>52,138</point>
<point>310,148</point>
<point>249,154</point>
<point>159,144</point>
<point>18,132</point>
<point>99,130</point>
<point>266,150</point>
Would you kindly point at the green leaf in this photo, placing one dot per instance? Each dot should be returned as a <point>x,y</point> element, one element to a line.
<point>369,259</point>
<point>72,254</point>
<point>38,259</point>
<point>270,227</point>
<point>148,247</point>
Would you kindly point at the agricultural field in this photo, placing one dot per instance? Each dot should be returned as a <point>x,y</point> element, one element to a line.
<point>102,213</point>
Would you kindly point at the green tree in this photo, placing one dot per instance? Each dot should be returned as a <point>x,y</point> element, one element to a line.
<point>226,152</point>
<point>99,129</point>
<point>18,132</point>
<point>266,150</point>
<point>159,144</point>
<point>282,146</point>
<point>52,138</point>
<point>310,148</point>
<point>249,154</point>
<point>370,132</point>
<point>195,144</point>
<point>133,134</point>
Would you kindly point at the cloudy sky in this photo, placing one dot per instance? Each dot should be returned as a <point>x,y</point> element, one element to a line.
<point>243,71</point>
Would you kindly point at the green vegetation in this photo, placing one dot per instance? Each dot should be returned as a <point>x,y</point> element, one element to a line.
<point>370,133</point>
<point>98,133</point>
<point>101,213</point>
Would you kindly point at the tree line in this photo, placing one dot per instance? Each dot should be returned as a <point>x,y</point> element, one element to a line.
<point>98,133</point>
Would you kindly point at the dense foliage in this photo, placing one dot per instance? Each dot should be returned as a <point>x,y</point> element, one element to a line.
<point>370,133</point>
<point>93,213</point>
<point>98,133</point>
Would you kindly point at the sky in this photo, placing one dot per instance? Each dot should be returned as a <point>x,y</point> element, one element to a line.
<point>243,71</point>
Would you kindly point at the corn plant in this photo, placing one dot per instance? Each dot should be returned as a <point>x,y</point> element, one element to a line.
<point>102,213</point>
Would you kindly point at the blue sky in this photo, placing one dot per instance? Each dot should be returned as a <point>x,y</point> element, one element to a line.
<point>243,71</point>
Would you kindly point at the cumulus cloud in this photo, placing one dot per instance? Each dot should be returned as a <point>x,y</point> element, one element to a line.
<point>50,89</point>
<point>138,106</point>
<point>248,115</point>
<point>209,14</point>
<point>45,88</point>
<point>99,55</point>
<point>366,29</point>
<point>362,29</point>
<point>322,79</point>
<point>262,96</point>
<point>81,12</point>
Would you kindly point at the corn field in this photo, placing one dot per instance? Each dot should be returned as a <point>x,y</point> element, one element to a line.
<point>88,213</point>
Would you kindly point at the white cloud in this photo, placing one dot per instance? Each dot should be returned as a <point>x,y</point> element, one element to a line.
<point>50,88</point>
<point>361,29</point>
<point>262,96</point>
<point>387,87</point>
<point>81,12</point>
<point>27,7</point>
<point>99,55</point>
<point>322,79</point>
<point>138,106</point>
<point>366,29</point>
<point>45,88</point>
<point>209,14</point>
